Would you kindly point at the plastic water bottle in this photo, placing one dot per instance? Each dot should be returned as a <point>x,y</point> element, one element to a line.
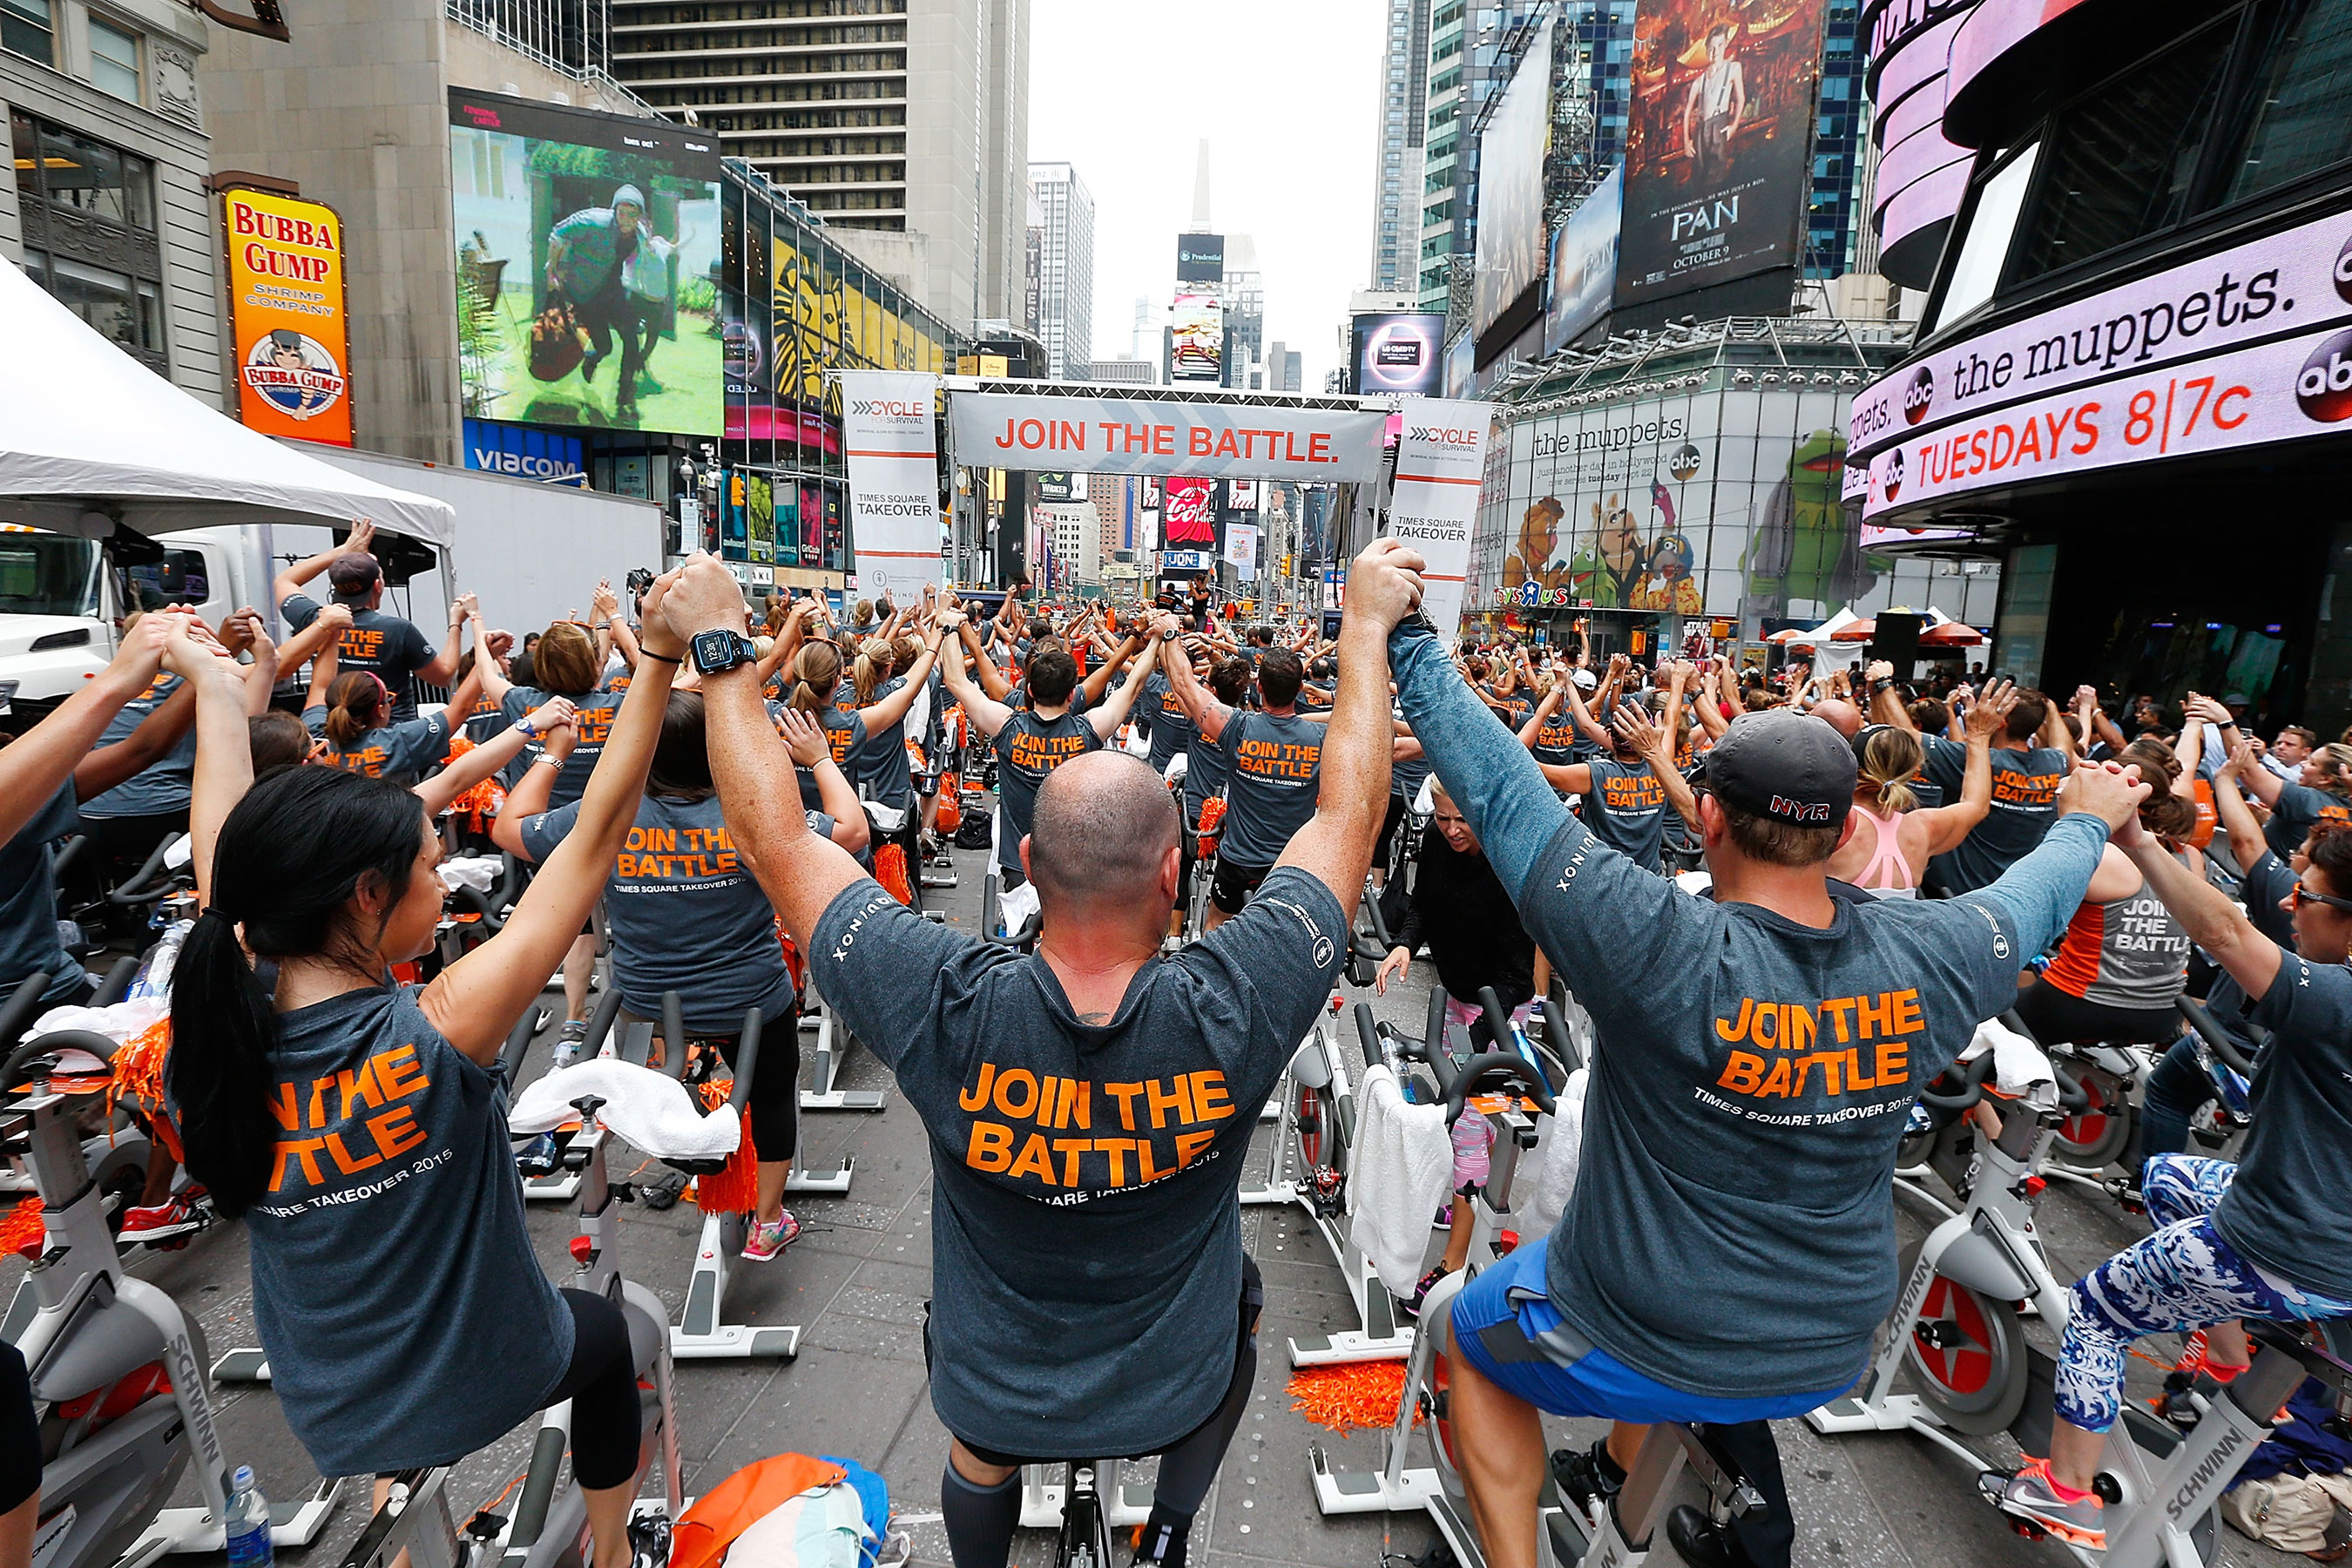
<point>248,1524</point>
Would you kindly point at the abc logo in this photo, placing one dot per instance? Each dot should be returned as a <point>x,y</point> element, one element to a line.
<point>1894,473</point>
<point>2344,271</point>
<point>1919,396</point>
<point>2323,389</point>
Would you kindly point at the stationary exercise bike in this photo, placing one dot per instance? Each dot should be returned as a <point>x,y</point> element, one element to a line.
<point>549,1527</point>
<point>118,1371</point>
<point>1317,1112</point>
<point>1677,1466</point>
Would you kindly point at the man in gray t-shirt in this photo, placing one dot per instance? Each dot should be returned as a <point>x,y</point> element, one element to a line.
<point>1730,1244</point>
<point>1088,1105</point>
<point>1273,762</point>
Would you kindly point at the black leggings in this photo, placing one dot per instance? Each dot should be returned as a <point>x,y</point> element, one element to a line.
<point>602,1384</point>
<point>980,1520</point>
<point>20,1432</point>
<point>2058,1017</point>
<point>774,1101</point>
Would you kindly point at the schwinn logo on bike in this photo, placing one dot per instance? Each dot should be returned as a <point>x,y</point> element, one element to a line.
<point>2189,1496</point>
<point>906,409</point>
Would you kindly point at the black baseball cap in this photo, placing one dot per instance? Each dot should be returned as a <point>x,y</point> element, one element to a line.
<point>1786,765</point>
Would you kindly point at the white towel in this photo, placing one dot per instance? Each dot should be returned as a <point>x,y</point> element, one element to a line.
<point>1013,908</point>
<point>650,1110</point>
<point>1547,1180</point>
<point>2018,1064</point>
<point>119,1023</point>
<point>480,872</point>
<point>1398,1175</point>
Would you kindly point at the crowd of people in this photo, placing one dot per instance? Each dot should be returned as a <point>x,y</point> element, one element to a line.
<point>745,807</point>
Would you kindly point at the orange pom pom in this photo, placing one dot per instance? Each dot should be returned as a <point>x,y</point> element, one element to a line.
<point>891,871</point>
<point>1350,1394</point>
<point>23,1227</point>
<point>736,1189</point>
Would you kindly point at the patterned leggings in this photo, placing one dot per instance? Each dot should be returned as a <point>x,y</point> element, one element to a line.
<point>2183,1277</point>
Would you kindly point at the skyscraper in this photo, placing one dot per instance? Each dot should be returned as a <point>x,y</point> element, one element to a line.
<point>1245,298</point>
<point>1404,122</point>
<point>903,122</point>
<point>1065,270</point>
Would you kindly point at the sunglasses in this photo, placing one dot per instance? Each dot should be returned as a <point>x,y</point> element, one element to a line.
<point>2299,895</point>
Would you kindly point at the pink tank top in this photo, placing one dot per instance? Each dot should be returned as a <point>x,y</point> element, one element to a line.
<point>1889,875</point>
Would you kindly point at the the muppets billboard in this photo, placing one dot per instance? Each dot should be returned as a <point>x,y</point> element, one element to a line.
<point>1717,503</point>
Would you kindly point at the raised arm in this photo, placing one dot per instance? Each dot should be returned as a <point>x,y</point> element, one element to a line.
<point>1107,716</point>
<point>890,709</point>
<point>813,749</point>
<point>2261,783</point>
<point>1098,680</point>
<point>475,1000</point>
<point>991,679</point>
<point>1352,793</point>
<point>2213,921</point>
<point>295,577</point>
<point>2246,840</point>
<point>1544,711</point>
<point>531,792</point>
<point>987,713</point>
<point>43,757</point>
<point>800,873</point>
<point>443,664</point>
<point>148,745</point>
<point>1656,743</point>
<point>1947,825</point>
<point>1201,705</point>
<point>1584,719</point>
<point>224,769</point>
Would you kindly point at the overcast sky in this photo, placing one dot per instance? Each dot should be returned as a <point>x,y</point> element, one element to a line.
<point>1284,90</point>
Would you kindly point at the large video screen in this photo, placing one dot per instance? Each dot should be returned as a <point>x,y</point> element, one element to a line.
<point>1584,264</point>
<point>1510,248</point>
<point>587,254</point>
<point>1400,354</point>
<point>1198,350</point>
<point>1718,155</point>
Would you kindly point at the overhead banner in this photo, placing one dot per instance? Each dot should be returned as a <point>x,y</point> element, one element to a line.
<point>286,308</point>
<point>894,480</point>
<point>1441,461</point>
<point>1119,435</point>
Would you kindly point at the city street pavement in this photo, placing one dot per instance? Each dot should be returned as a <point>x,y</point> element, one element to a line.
<point>857,1283</point>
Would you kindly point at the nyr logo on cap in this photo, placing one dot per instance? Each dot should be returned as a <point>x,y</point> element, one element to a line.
<point>1919,397</point>
<point>1798,810</point>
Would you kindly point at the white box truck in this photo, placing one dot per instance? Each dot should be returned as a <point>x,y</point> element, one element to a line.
<point>533,552</point>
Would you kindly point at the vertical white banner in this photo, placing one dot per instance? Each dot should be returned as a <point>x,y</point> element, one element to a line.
<point>894,482</point>
<point>1241,550</point>
<point>1441,460</point>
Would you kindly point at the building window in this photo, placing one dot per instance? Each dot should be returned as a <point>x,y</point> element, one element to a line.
<point>114,60</point>
<point>2122,161</point>
<point>27,28</point>
<point>2298,123</point>
<point>88,216</point>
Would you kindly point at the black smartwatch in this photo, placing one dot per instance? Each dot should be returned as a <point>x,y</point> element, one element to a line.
<point>720,649</point>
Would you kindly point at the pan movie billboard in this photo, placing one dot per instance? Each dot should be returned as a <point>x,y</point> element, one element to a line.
<point>587,264</point>
<point>1719,152</point>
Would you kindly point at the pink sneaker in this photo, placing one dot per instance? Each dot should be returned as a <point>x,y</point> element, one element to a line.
<point>770,1237</point>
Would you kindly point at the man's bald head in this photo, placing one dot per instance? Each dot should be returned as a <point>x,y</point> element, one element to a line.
<point>1842,716</point>
<point>1102,828</point>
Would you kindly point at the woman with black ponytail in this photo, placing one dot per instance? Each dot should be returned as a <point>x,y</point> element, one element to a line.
<point>358,1124</point>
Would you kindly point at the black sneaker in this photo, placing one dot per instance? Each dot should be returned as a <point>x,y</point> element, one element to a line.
<point>1702,1542</point>
<point>649,1542</point>
<point>1587,1477</point>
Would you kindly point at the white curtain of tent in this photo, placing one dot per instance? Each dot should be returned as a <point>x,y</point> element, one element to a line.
<point>88,436</point>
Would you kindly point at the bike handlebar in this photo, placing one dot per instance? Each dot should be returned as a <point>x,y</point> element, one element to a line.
<point>22,1007</point>
<point>1497,1070</point>
<point>746,1059</point>
<point>2209,1029</point>
<point>56,1040</point>
<point>1368,1034</point>
<point>151,883</point>
<point>1971,1089</point>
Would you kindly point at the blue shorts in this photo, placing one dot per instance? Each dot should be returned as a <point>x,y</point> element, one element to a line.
<point>1495,1333</point>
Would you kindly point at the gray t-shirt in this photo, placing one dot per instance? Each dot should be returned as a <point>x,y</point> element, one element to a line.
<point>1272,767</point>
<point>1085,1239</point>
<point>2286,1207</point>
<point>28,903</point>
<point>882,771</point>
<point>163,786</point>
<point>407,1321</point>
<point>1732,1232</point>
<point>2024,804</point>
<point>401,751</point>
<point>2298,806</point>
<point>685,915</point>
<point>596,712</point>
<point>1626,809</point>
<point>1161,712</point>
<point>1027,748</point>
<point>390,646</point>
<point>2267,881</point>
